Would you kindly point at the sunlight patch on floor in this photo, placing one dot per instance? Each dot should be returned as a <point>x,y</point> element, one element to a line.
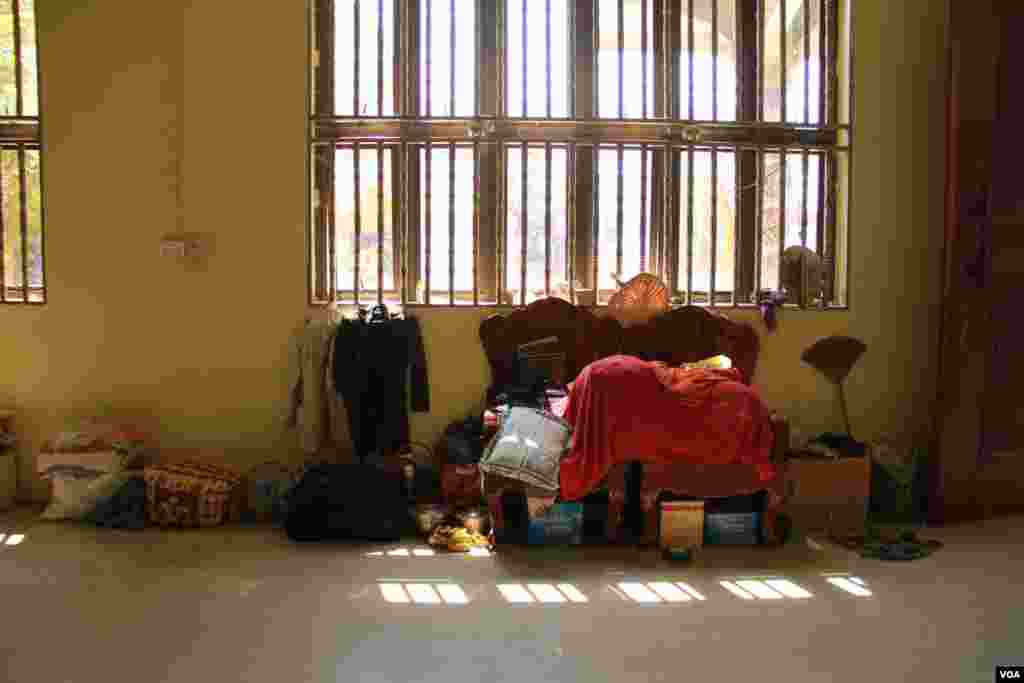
<point>544,593</point>
<point>638,592</point>
<point>424,593</point>
<point>736,590</point>
<point>851,585</point>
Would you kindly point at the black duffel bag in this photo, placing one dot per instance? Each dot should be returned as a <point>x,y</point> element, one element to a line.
<point>359,502</point>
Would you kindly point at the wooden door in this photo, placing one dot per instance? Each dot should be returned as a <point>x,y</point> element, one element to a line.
<point>980,439</point>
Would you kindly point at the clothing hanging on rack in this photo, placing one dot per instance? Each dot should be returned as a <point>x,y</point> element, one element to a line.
<point>372,363</point>
<point>316,411</point>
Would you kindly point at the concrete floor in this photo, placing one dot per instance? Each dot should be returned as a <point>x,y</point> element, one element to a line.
<point>79,604</point>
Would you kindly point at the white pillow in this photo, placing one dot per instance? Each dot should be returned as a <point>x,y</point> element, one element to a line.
<point>80,481</point>
<point>75,498</point>
<point>528,448</point>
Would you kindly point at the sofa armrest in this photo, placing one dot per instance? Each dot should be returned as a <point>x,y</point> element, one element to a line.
<point>780,441</point>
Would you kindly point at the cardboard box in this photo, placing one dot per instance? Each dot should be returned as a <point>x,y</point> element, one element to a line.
<point>681,524</point>
<point>828,496</point>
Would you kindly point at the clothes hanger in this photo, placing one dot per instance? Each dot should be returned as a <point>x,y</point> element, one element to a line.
<point>379,314</point>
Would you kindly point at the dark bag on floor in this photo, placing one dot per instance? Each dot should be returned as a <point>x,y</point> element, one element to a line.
<point>347,502</point>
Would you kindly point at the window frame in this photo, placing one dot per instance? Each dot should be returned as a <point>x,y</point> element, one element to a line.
<point>663,134</point>
<point>23,134</point>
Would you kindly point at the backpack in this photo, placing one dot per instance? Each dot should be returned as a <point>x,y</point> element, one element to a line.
<point>349,501</point>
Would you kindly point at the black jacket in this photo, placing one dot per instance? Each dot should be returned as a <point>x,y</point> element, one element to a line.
<point>372,363</point>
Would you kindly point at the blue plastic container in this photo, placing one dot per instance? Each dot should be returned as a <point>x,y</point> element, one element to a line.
<point>732,528</point>
<point>561,525</point>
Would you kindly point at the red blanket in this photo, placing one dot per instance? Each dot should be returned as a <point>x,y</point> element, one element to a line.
<point>624,409</point>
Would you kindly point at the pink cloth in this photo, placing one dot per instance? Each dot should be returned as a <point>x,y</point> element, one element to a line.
<point>623,409</point>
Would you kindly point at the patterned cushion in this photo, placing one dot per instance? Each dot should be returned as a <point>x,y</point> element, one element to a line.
<point>188,494</point>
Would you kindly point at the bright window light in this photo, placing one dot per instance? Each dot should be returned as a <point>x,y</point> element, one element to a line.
<point>545,592</point>
<point>452,594</point>
<point>572,592</point>
<point>689,589</point>
<point>849,586</point>
<point>479,552</point>
<point>423,594</point>
<point>393,592</point>
<point>379,553</point>
<point>401,552</point>
<point>759,589</point>
<point>423,552</point>
<point>513,592</point>
<point>15,539</point>
<point>858,580</point>
<point>638,592</point>
<point>669,592</point>
<point>788,588</point>
<point>736,590</point>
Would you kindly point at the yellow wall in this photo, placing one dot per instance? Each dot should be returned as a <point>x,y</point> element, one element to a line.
<point>189,116</point>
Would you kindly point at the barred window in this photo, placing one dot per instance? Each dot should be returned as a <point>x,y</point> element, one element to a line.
<point>491,152</point>
<point>21,209</point>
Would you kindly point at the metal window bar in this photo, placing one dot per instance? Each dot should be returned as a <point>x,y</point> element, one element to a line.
<point>476,223</point>
<point>547,55</point>
<point>643,58</point>
<point>689,227</point>
<point>595,49</point>
<point>525,58</point>
<point>18,78</point>
<point>501,221</point>
<point>643,208</point>
<point>331,217</point>
<point>596,237</point>
<point>782,58</point>
<point>759,241</point>
<point>621,25</point>
<point>403,202</point>
<point>547,219</point>
<point>714,64</point>
<point>3,233</point>
<point>806,179</point>
<point>783,217</point>
<point>807,61</point>
<point>451,62</point>
<point>355,59</point>
<point>380,224</point>
<point>429,63</point>
<point>690,51</point>
<point>822,38</point>
<point>477,50</point>
<point>23,196</point>
<point>429,210</point>
<point>451,223</point>
<point>501,40</point>
<point>356,192</point>
<point>523,215</point>
<point>761,27</point>
<point>380,57</point>
<point>618,213</point>
<point>820,217</point>
<point>737,230</point>
<point>570,238</point>
<point>714,226</point>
